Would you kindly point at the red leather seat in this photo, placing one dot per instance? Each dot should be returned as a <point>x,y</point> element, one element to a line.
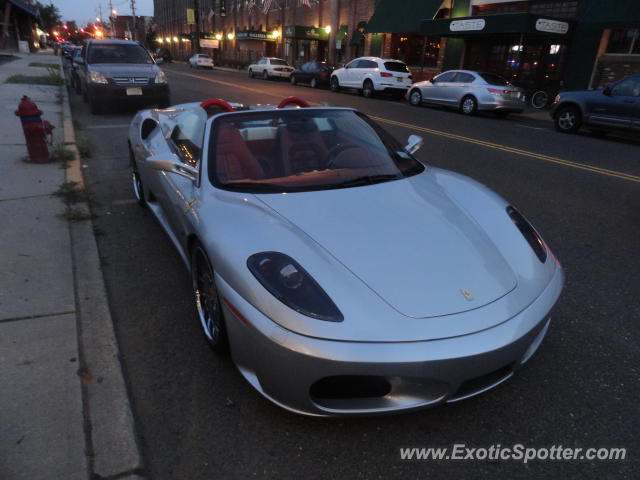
<point>234,160</point>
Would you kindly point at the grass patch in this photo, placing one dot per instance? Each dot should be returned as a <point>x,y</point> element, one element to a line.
<point>84,146</point>
<point>74,214</point>
<point>55,66</point>
<point>70,193</point>
<point>52,78</point>
<point>60,153</point>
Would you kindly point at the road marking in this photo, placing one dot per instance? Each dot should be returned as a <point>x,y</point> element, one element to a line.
<point>453,136</point>
<point>517,151</point>
<point>95,127</point>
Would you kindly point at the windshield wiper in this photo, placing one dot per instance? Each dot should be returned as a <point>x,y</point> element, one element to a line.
<point>365,180</point>
<point>255,186</point>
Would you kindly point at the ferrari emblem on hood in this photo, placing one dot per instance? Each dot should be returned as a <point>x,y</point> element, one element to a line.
<point>467,294</point>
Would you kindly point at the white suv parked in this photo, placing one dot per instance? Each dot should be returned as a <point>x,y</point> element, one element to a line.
<point>371,75</point>
<point>270,67</point>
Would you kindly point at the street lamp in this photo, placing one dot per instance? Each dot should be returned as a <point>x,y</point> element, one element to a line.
<point>230,35</point>
<point>327,29</point>
<point>218,36</point>
<point>175,39</point>
<point>275,34</point>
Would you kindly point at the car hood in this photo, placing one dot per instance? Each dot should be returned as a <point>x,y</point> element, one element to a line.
<point>125,69</point>
<point>415,247</point>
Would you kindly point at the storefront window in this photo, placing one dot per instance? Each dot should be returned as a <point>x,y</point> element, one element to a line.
<point>624,40</point>
<point>409,48</point>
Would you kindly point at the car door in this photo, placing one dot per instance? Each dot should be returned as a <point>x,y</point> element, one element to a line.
<point>364,70</point>
<point>434,93</point>
<point>345,76</point>
<point>180,194</point>
<point>459,86</point>
<point>617,106</point>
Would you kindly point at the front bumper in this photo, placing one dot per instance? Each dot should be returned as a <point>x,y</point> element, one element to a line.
<point>151,93</point>
<point>306,375</point>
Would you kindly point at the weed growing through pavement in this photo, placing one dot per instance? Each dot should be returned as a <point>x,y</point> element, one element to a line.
<point>45,65</point>
<point>60,153</point>
<point>52,78</point>
<point>70,193</point>
<point>75,214</point>
<point>84,146</point>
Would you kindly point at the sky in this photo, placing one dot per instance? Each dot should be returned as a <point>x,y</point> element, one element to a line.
<point>83,11</point>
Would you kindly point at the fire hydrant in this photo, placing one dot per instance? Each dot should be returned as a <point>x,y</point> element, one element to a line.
<point>35,131</point>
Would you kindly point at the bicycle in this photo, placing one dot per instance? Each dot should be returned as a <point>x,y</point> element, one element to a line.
<point>539,99</point>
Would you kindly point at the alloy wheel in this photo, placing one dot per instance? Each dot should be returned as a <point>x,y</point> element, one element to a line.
<point>206,298</point>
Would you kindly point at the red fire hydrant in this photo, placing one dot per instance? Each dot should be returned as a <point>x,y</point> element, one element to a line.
<point>35,131</point>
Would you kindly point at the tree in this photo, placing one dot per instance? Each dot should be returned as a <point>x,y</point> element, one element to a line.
<point>49,17</point>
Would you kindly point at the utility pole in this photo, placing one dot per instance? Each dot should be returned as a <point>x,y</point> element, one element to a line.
<point>111,19</point>
<point>196,15</point>
<point>133,14</point>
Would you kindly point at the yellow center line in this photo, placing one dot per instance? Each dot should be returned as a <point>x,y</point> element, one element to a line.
<point>547,158</point>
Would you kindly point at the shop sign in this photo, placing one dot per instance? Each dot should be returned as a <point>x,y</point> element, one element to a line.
<point>191,17</point>
<point>467,25</point>
<point>307,33</point>
<point>552,26</point>
<point>255,35</point>
<point>208,43</point>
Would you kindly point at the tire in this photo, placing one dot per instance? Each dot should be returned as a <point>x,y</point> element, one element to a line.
<point>334,84</point>
<point>265,75</point>
<point>313,83</point>
<point>250,73</point>
<point>415,97</point>
<point>207,300</point>
<point>367,89</point>
<point>469,105</point>
<point>567,119</point>
<point>539,99</point>
<point>138,190</point>
<point>293,80</point>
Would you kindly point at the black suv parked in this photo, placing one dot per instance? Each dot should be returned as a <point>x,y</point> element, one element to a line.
<point>616,108</point>
<point>112,70</point>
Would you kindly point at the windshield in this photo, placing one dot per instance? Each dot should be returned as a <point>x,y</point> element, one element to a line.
<point>493,79</point>
<point>396,67</point>
<point>275,61</point>
<point>118,53</point>
<point>293,150</point>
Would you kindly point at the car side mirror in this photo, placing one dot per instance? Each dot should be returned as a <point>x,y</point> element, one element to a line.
<point>414,143</point>
<point>607,90</point>
<point>159,61</point>
<point>172,164</point>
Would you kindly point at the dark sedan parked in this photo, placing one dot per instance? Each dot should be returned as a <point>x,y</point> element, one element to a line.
<point>120,70</point>
<point>615,108</point>
<point>314,73</point>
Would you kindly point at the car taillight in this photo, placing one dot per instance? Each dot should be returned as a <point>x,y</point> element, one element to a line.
<point>496,91</point>
<point>324,75</point>
<point>385,74</point>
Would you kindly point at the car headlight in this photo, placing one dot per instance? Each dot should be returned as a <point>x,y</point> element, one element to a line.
<point>557,99</point>
<point>97,77</point>
<point>530,235</point>
<point>161,77</point>
<point>286,280</point>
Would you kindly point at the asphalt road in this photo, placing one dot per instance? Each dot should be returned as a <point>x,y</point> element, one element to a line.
<point>197,417</point>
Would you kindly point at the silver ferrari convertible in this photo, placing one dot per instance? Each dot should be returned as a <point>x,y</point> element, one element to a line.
<point>344,276</point>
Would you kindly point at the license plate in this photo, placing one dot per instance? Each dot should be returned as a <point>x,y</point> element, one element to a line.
<point>134,91</point>
<point>401,79</point>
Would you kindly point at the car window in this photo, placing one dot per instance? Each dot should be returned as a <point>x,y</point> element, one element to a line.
<point>352,64</point>
<point>188,135</point>
<point>493,79</point>
<point>629,87</point>
<point>462,77</point>
<point>118,53</point>
<point>307,67</point>
<point>261,61</point>
<point>367,64</point>
<point>293,150</point>
<point>396,67</point>
<point>276,61</point>
<point>445,77</point>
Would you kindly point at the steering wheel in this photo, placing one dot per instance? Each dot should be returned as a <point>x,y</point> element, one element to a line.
<point>335,150</point>
<point>295,100</point>
<point>215,102</point>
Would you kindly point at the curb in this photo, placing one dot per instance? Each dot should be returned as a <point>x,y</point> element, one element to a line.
<point>110,437</point>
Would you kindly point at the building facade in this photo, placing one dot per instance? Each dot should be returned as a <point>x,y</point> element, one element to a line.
<point>533,43</point>
<point>18,25</point>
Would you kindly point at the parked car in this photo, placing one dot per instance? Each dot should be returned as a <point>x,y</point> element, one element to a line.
<point>616,108</point>
<point>372,74</point>
<point>284,218</point>
<point>113,70</point>
<point>200,60</point>
<point>314,73</point>
<point>270,67</point>
<point>74,77</point>
<point>469,92</point>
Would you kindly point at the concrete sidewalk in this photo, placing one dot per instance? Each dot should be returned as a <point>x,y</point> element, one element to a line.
<point>64,408</point>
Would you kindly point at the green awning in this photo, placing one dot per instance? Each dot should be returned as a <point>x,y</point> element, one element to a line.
<point>493,24</point>
<point>617,14</point>
<point>393,16</point>
<point>342,32</point>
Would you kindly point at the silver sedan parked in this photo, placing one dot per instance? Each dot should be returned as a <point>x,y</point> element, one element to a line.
<point>347,277</point>
<point>469,92</point>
